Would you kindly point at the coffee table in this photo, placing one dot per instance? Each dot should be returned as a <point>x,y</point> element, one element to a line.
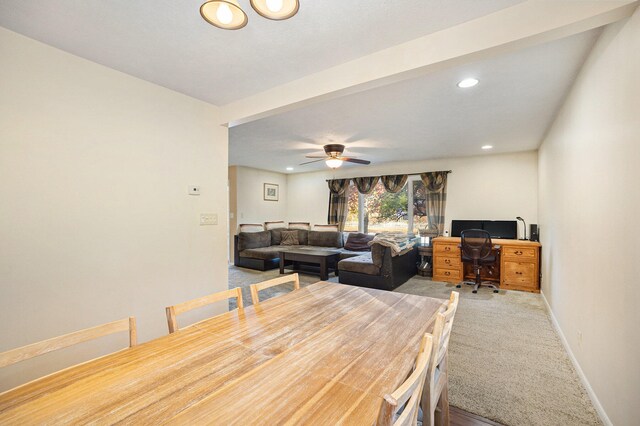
<point>324,259</point>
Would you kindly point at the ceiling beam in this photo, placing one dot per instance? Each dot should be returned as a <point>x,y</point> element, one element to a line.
<point>525,24</point>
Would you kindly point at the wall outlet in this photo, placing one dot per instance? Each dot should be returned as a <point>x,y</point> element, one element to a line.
<point>208,219</point>
<point>194,190</point>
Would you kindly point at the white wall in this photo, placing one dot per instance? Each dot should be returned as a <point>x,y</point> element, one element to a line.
<point>498,187</point>
<point>589,204</point>
<point>251,205</point>
<point>95,220</point>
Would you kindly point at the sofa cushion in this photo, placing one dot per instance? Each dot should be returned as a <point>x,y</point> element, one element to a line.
<point>345,254</point>
<point>358,242</point>
<point>251,240</point>
<point>290,238</point>
<point>361,264</point>
<point>303,237</point>
<point>265,253</point>
<point>325,239</point>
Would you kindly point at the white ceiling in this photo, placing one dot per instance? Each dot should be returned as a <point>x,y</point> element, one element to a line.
<point>167,42</point>
<point>427,117</point>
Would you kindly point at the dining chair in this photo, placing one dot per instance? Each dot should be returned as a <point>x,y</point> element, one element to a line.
<point>40,348</point>
<point>255,288</point>
<point>436,394</point>
<point>408,393</point>
<point>175,310</point>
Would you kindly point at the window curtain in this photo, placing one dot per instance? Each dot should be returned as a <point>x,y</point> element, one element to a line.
<point>436,187</point>
<point>365,185</point>
<point>394,183</point>
<point>338,206</point>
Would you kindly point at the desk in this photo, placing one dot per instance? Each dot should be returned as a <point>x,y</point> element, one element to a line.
<point>324,354</point>
<point>519,263</point>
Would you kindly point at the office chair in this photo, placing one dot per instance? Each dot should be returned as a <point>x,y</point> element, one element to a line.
<point>476,248</point>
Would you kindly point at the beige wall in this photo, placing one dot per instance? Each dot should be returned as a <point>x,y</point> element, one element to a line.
<point>251,206</point>
<point>95,220</point>
<point>589,204</point>
<point>498,187</point>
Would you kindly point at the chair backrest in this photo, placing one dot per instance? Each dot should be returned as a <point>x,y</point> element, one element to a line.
<point>40,348</point>
<point>175,310</point>
<point>255,288</point>
<point>408,393</point>
<point>442,333</point>
<point>475,243</point>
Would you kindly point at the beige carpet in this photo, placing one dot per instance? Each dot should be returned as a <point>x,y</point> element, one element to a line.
<point>506,362</point>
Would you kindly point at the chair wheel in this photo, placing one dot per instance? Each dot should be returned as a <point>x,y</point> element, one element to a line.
<point>474,291</point>
<point>458,286</point>
<point>495,291</point>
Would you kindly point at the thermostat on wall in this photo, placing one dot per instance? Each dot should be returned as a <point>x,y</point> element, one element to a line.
<point>194,190</point>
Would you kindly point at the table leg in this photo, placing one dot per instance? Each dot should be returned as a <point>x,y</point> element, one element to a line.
<point>282,264</point>
<point>324,275</point>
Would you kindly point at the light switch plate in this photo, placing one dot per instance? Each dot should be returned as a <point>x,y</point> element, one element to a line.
<point>208,219</point>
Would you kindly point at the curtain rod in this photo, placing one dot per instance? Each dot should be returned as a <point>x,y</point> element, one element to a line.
<point>408,174</point>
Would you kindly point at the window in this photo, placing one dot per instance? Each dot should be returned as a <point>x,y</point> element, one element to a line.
<point>382,211</point>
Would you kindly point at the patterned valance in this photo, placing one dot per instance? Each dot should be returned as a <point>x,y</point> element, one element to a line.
<point>338,186</point>
<point>394,183</point>
<point>365,185</point>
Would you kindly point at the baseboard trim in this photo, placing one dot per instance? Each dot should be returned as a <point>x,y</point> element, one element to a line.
<point>574,361</point>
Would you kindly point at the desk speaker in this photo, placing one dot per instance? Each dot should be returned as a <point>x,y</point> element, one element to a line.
<point>534,232</point>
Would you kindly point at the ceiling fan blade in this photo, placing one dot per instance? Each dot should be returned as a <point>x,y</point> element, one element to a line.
<point>315,156</point>
<point>314,161</point>
<point>355,160</point>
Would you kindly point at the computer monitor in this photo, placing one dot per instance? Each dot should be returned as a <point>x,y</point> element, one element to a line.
<point>457,226</point>
<point>506,229</point>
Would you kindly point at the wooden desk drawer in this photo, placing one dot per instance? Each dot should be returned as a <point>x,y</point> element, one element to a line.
<point>444,249</point>
<point>447,275</point>
<point>521,253</point>
<point>519,272</point>
<point>447,262</point>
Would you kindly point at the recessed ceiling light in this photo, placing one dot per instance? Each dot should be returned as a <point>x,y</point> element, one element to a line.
<point>487,146</point>
<point>289,168</point>
<point>468,82</point>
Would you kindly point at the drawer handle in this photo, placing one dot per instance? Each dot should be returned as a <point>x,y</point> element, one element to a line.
<point>447,261</point>
<point>518,273</point>
<point>447,273</point>
<point>447,248</point>
<point>517,252</point>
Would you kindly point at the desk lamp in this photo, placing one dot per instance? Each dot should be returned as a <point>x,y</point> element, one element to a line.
<point>524,225</point>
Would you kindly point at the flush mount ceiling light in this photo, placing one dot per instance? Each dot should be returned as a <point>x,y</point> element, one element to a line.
<point>289,168</point>
<point>334,163</point>
<point>225,14</point>
<point>276,9</point>
<point>487,146</point>
<point>467,82</point>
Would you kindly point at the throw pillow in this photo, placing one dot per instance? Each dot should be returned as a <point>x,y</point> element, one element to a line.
<point>358,242</point>
<point>289,238</point>
<point>325,239</point>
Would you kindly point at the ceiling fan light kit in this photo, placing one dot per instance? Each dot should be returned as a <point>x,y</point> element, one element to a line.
<point>228,15</point>
<point>334,158</point>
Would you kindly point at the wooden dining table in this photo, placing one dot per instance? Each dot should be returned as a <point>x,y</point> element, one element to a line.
<point>324,354</point>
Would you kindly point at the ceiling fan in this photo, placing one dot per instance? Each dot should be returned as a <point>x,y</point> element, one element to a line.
<point>334,157</point>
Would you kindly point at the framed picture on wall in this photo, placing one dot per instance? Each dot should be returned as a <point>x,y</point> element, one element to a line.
<point>271,192</point>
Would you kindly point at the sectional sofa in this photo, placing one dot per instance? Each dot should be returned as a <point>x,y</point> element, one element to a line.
<point>372,266</point>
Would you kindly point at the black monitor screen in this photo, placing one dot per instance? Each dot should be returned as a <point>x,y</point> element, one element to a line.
<point>457,226</point>
<point>506,229</point>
